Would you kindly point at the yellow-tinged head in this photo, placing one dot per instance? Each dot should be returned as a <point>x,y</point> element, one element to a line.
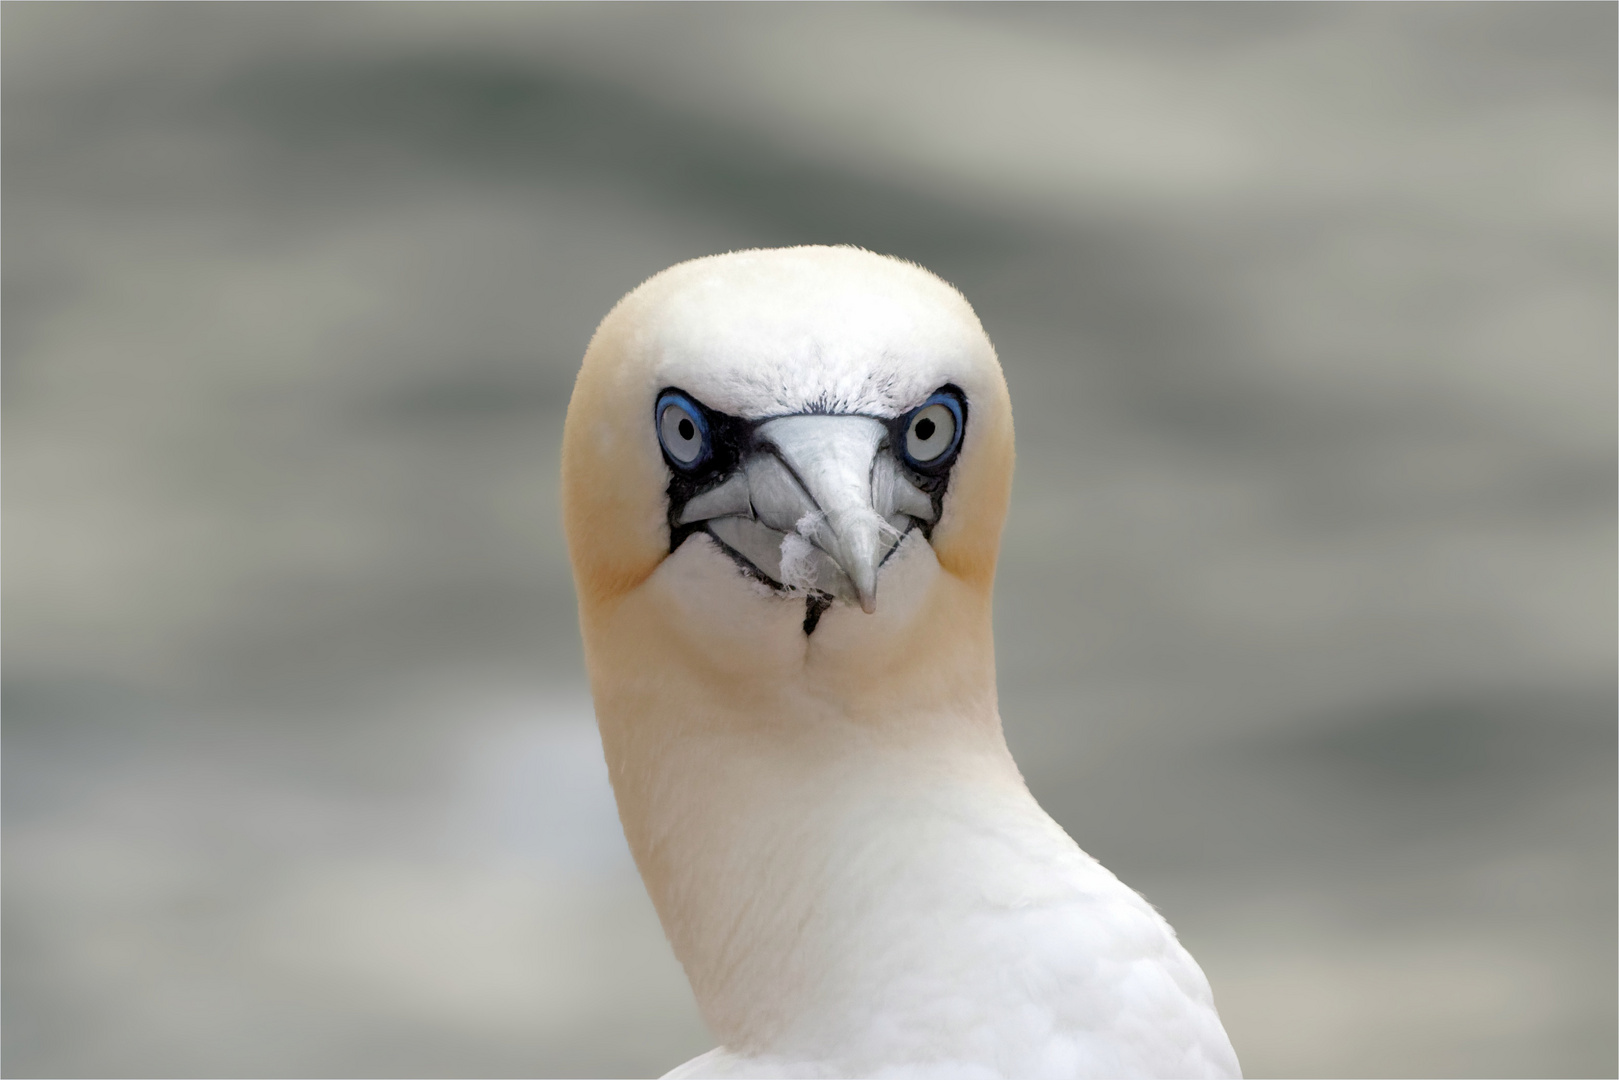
<point>784,475</point>
<point>866,354</point>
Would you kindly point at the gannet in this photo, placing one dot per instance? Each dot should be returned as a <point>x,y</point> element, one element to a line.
<point>784,475</point>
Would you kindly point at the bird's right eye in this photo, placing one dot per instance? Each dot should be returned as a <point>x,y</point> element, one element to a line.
<point>682,431</point>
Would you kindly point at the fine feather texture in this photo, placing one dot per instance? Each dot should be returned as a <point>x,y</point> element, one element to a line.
<point>840,848</point>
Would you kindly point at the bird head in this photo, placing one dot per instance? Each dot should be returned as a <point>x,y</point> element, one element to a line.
<point>780,457</point>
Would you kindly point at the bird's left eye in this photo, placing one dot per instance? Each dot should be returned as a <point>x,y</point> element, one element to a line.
<point>933,432</point>
<point>682,430</point>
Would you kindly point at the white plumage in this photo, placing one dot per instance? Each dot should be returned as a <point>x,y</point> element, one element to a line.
<point>784,478</point>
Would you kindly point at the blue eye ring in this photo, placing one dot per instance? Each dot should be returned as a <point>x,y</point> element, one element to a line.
<point>952,400</point>
<point>683,433</point>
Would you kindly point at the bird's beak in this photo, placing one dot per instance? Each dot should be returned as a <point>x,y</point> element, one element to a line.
<point>831,459</point>
<point>818,504</point>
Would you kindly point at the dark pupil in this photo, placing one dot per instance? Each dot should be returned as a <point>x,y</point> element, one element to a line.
<point>686,428</point>
<point>924,429</point>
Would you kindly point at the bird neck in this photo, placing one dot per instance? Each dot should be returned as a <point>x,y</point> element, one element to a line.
<point>780,793</point>
<point>787,871</point>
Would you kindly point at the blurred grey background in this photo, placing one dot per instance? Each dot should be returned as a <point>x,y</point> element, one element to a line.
<point>1307,607</point>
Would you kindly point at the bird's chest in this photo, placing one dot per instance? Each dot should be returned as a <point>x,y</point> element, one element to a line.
<point>1076,988</point>
<point>984,963</point>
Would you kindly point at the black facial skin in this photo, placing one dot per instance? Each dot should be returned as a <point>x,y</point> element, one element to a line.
<point>730,439</point>
<point>814,608</point>
<point>733,438</point>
